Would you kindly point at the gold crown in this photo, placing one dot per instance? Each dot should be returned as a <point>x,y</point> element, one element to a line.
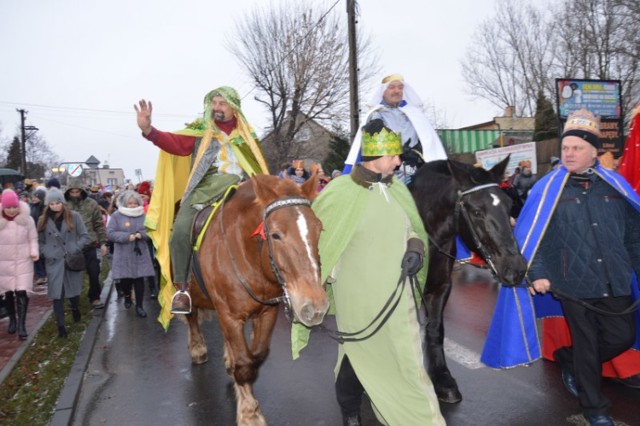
<point>393,77</point>
<point>384,142</point>
<point>583,120</point>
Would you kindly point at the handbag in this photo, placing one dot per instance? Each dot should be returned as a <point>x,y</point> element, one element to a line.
<point>72,261</point>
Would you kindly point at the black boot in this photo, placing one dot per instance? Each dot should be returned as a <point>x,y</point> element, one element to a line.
<point>58,311</point>
<point>152,288</point>
<point>75,309</point>
<point>11,311</point>
<point>119,289</point>
<point>23,304</point>
<point>3,308</point>
<point>138,288</point>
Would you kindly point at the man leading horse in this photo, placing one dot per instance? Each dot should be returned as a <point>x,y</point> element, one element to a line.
<point>221,149</point>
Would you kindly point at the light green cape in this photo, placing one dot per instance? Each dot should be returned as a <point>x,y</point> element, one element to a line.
<point>339,208</point>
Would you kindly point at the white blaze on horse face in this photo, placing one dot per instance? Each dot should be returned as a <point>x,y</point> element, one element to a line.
<point>304,234</point>
<point>496,200</point>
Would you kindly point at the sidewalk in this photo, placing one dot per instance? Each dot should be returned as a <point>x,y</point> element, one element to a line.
<point>11,347</point>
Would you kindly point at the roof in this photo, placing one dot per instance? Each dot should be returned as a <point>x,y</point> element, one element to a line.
<point>469,141</point>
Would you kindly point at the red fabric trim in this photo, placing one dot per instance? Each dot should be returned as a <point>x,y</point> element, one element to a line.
<point>556,334</point>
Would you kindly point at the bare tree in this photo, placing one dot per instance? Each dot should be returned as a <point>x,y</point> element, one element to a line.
<point>40,157</point>
<point>297,57</point>
<point>522,50</point>
<point>507,61</point>
<point>596,43</point>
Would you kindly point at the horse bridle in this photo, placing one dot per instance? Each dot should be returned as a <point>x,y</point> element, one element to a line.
<point>273,206</point>
<point>460,209</point>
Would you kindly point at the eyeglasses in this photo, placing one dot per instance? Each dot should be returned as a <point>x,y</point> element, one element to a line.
<point>299,170</point>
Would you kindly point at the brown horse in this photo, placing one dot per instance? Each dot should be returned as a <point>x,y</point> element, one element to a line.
<point>260,249</point>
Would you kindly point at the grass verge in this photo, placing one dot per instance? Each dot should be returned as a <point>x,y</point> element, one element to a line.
<point>30,393</point>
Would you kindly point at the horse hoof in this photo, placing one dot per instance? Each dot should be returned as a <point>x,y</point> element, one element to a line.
<point>449,395</point>
<point>201,359</point>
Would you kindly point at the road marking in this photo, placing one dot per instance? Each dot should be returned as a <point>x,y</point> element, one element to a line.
<point>462,355</point>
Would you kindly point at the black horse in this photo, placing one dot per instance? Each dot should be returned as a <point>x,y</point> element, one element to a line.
<point>457,198</point>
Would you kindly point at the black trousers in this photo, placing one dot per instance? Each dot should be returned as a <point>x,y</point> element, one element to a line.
<point>93,269</point>
<point>349,390</point>
<point>596,338</point>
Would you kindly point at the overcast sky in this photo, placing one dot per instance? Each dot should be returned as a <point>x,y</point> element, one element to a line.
<point>79,66</point>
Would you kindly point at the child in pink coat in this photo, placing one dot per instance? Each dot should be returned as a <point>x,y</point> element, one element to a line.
<point>18,251</point>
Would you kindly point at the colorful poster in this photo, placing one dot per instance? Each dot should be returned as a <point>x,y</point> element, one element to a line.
<point>601,97</point>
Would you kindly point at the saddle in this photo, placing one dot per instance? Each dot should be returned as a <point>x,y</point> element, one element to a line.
<point>203,217</point>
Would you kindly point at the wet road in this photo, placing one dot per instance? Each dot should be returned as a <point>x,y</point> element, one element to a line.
<point>140,375</point>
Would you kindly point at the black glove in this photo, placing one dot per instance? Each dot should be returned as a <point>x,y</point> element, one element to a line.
<point>410,156</point>
<point>136,249</point>
<point>412,260</point>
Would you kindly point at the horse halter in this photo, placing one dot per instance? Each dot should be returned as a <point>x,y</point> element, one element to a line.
<point>264,234</point>
<point>461,209</point>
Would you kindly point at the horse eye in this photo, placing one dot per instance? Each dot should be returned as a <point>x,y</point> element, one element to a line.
<point>477,213</point>
<point>276,236</point>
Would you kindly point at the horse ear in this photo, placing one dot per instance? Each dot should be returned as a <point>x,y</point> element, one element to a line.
<point>310,187</point>
<point>460,173</point>
<point>264,191</point>
<point>497,171</point>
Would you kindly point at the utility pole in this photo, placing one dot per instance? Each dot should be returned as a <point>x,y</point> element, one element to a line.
<point>23,143</point>
<point>353,68</point>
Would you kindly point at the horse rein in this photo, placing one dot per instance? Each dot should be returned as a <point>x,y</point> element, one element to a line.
<point>273,206</point>
<point>387,310</point>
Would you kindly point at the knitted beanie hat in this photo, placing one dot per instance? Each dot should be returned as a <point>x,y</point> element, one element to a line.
<point>9,199</point>
<point>53,195</point>
<point>585,125</point>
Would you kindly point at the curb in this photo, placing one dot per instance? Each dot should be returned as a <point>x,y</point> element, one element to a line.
<point>8,368</point>
<point>66,405</point>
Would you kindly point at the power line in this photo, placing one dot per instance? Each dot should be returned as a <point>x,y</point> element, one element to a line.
<point>92,110</point>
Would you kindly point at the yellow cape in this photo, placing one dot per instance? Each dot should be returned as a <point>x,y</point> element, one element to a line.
<point>172,173</point>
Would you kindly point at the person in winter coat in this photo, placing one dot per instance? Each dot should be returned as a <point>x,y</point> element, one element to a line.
<point>37,207</point>
<point>131,259</point>
<point>79,201</point>
<point>61,229</point>
<point>523,182</point>
<point>18,251</point>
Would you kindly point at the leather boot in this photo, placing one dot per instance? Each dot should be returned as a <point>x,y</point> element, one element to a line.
<point>23,303</point>
<point>11,311</point>
<point>181,300</point>
<point>138,288</point>
<point>3,308</point>
<point>62,331</point>
<point>75,308</point>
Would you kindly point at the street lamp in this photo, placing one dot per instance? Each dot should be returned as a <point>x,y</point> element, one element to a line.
<point>25,136</point>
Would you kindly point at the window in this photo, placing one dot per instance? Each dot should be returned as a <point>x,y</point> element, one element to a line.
<point>304,134</point>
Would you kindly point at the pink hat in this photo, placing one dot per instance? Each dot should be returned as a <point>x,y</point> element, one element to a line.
<point>9,199</point>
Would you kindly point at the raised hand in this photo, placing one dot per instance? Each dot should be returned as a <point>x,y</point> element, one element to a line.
<point>143,111</point>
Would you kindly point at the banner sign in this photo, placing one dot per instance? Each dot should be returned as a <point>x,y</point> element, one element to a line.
<point>520,152</point>
<point>602,98</point>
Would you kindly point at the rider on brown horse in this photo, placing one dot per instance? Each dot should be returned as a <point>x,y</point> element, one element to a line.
<point>224,150</point>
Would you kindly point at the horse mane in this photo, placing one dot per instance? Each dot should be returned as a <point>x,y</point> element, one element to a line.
<point>261,190</point>
<point>441,171</point>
